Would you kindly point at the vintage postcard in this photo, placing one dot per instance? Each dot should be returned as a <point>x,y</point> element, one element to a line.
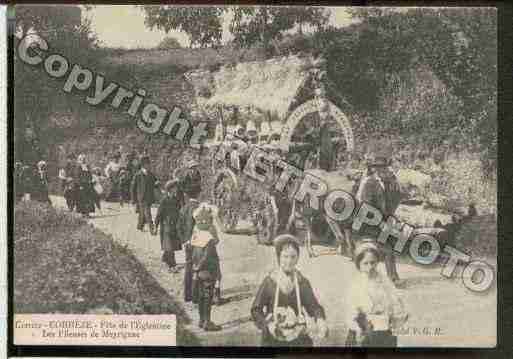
<point>255,176</point>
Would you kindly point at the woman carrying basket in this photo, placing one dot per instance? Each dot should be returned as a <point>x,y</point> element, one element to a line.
<point>285,307</point>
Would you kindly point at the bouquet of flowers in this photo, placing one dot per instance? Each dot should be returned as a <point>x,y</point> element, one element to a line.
<point>285,325</point>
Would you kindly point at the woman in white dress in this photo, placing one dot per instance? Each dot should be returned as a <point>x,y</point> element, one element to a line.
<point>375,309</point>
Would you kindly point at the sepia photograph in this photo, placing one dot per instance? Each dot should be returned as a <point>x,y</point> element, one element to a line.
<point>255,176</point>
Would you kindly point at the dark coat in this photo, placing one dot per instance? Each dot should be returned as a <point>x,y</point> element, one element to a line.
<point>186,221</point>
<point>167,218</point>
<point>185,227</point>
<point>385,198</point>
<point>86,193</point>
<point>191,182</point>
<point>372,192</point>
<point>143,187</point>
<point>392,194</point>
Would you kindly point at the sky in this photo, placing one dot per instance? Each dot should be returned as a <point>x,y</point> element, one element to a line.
<point>123,26</point>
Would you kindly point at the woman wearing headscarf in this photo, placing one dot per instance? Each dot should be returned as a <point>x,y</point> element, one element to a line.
<point>86,193</point>
<point>285,305</point>
<point>374,306</point>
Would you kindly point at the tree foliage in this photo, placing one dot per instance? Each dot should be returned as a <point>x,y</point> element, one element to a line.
<point>169,43</point>
<point>249,24</point>
<point>267,24</point>
<point>375,64</point>
<point>66,33</point>
<point>203,25</point>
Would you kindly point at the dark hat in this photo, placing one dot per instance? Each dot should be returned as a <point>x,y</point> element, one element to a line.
<point>116,155</point>
<point>145,159</point>
<point>283,240</point>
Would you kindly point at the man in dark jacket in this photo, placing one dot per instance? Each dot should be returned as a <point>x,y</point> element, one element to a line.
<point>167,218</point>
<point>381,190</point>
<point>142,192</point>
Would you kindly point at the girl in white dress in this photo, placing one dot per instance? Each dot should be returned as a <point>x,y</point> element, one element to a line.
<point>375,309</point>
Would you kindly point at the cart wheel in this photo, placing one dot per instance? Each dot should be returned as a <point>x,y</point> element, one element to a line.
<point>266,224</point>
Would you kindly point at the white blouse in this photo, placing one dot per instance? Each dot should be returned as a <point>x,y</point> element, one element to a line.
<point>377,298</point>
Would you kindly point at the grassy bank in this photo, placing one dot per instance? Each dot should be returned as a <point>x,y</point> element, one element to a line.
<point>64,265</point>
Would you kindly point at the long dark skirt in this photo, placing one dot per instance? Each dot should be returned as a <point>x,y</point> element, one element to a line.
<point>86,196</point>
<point>188,285</point>
<point>70,193</point>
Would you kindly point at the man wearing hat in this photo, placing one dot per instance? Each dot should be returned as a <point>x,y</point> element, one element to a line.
<point>143,195</point>
<point>380,189</point>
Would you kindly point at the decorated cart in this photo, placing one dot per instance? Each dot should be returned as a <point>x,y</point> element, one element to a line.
<point>282,107</point>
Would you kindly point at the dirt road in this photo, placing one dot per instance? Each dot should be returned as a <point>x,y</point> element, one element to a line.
<point>442,311</point>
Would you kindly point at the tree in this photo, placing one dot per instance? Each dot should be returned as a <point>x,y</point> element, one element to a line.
<point>203,25</point>
<point>169,43</point>
<point>370,61</point>
<point>68,34</point>
<point>267,24</point>
<point>460,46</point>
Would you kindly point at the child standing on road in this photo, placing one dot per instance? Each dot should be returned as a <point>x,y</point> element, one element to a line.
<point>205,263</point>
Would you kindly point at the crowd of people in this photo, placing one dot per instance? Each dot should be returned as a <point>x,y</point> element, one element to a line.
<point>285,305</point>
